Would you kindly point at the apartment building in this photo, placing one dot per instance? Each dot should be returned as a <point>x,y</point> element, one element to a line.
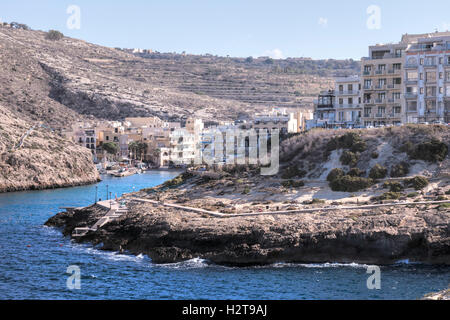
<point>407,82</point>
<point>347,98</point>
<point>340,107</point>
<point>427,79</point>
<point>381,80</point>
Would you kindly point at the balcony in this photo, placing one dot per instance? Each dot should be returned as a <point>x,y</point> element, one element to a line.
<point>380,115</point>
<point>348,106</point>
<point>411,81</point>
<point>380,72</point>
<point>367,73</point>
<point>410,95</point>
<point>411,66</point>
<point>380,101</point>
<point>380,87</point>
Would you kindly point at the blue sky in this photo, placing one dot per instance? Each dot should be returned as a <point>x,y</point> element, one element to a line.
<point>283,28</point>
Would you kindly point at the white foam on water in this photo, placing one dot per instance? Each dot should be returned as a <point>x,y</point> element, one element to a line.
<point>318,265</point>
<point>195,263</point>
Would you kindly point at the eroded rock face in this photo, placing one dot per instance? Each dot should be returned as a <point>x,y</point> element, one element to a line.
<point>42,159</point>
<point>380,236</point>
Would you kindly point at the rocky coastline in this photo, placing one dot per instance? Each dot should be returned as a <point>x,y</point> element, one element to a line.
<point>167,235</point>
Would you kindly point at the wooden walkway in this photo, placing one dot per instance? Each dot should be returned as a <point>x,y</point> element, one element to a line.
<point>285,212</point>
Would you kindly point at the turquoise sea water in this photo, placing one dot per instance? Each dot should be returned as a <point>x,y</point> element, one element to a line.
<point>34,260</point>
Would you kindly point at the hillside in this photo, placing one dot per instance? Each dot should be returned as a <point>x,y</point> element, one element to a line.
<point>56,81</point>
<point>33,157</point>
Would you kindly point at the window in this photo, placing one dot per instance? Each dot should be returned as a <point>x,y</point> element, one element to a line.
<point>411,89</point>
<point>441,75</point>
<point>367,111</point>
<point>381,96</point>
<point>381,110</point>
<point>441,60</point>
<point>431,76</point>
<point>350,87</point>
<point>381,82</point>
<point>350,100</point>
<point>430,61</point>
<point>397,110</point>
<point>341,101</point>
<point>412,105</point>
<point>421,90</point>
<point>396,95</point>
<point>431,91</point>
<point>447,90</point>
<point>411,75</point>
<point>341,88</point>
<point>397,80</point>
<point>421,61</point>
<point>367,84</point>
<point>381,67</point>
<point>441,90</point>
<point>421,76</point>
<point>431,105</point>
<point>397,66</point>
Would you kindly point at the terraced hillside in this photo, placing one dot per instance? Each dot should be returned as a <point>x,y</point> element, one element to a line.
<point>290,83</point>
<point>57,81</point>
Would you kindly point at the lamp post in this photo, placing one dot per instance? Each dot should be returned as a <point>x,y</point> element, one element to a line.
<point>107,192</point>
<point>96,189</point>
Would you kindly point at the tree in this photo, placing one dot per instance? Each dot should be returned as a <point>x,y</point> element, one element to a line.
<point>138,149</point>
<point>111,148</point>
<point>249,60</point>
<point>54,35</point>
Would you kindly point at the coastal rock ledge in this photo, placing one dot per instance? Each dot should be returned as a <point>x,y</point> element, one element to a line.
<point>377,236</point>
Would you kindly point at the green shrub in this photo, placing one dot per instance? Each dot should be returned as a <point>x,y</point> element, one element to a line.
<point>349,158</point>
<point>292,184</point>
<point>292,172</point>
<point>317,201</point>
<point>417,182</point>
<point>335,173</point>
<point>350,184</point>
<point>246,190</point>
<point>400,170</point>
<point>355,172</point>
<point>54,35</point>
<point>374,155</point>
<point>447,192</point>
<point>178,180</point>
<point>389,196</point>
<point>393,186</point>
<point>432,151</point>
<point>350,140</point>
<point>412,194</point>
<point>444,206</point>
<point>378,172</point>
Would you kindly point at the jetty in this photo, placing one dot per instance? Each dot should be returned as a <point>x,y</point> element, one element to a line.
<point>114,211</point>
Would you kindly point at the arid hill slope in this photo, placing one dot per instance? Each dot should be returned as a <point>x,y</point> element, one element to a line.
<point>40,159</point>
<point>56,80</point>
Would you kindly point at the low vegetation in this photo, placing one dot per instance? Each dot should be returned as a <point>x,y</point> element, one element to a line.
<point>292,183</point>
<point>348,183</point>
<point>400,170</point>
<point>393,186</point>
<point>378,172</point>
<point>432,151</point>
<point>417,182</point>
<point>54,35</point>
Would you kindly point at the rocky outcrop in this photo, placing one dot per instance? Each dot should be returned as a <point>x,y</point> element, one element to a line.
<point>34,157</point>
<point>379,236</point>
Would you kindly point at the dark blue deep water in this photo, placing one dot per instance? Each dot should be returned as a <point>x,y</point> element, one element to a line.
<point>34,260</point>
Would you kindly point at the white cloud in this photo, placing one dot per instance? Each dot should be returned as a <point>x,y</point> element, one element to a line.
<point>274,54</point>
<point>323,22</point>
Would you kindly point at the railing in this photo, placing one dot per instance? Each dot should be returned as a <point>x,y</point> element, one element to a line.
<point>411,66</point>
<point>410,95</point>
<point>380,100</point>
<point>378,72</point>
<point>368,87</point>
<point>367,73</point>
<point>382,86</point>
<point>380,115</point>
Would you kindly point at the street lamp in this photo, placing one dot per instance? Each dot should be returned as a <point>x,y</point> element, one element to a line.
<point>96,188</point>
